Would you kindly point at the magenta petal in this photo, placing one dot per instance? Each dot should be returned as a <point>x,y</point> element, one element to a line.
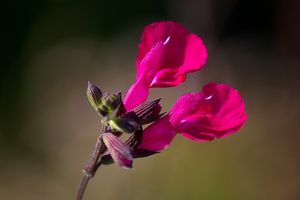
<point>173,34</point>
<point>217,111</point>
<point>150,63</point>
<point>183,52</point>
<point>184,107</point>
<point>136,95</point>
<point>167,52</point>
<point>139,91</point>
<point>158,135</point>
<point>198,137</point>
<point>119,151</point>
<point>194,59</point>
<point>195,55</point>
<point>167,78</point>
<point>199,130</point>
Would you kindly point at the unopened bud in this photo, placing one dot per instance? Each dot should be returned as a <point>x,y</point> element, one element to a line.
<point>124,125</point>
<point>94,95</point>
<point>103,110</point>
<point>113,101</point>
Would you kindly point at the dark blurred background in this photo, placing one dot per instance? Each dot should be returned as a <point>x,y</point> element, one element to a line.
<point>50,49</point>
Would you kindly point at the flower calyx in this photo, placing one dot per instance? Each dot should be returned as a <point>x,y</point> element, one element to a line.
<point>148,112</point>
<point>132,121</point>
<point>119,151</point>
<point>124,125</point>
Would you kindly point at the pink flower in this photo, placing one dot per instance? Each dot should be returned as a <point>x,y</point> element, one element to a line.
<point>167,52</point>
<point>215,112</point>
<point>158,135</point>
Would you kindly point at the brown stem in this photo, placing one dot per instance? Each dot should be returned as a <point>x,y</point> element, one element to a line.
<point>83,183</point>
<point>91,168</point>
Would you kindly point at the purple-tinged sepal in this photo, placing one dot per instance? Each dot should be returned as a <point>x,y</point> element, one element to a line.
<point>145,113</point>
<point>94,95</point>
<point>106,159</point>
<point>119,151</point>
<point>148,112</point>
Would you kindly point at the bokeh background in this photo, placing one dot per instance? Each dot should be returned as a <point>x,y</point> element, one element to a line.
<point>50,49</point>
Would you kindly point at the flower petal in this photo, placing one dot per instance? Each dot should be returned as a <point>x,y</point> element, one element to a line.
<point>195,55</point>
<point>167,52</point>
<point>137,94</point>
<point>199,138</point>
<point>183,52</point>
<point>167,78</point>
<point>158,135</point>
<point>217,111</point>
<point>139,91</point>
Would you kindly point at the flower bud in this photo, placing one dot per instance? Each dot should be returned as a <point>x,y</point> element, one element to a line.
<point>94,95</point>
<point>124,125</point>
<point>113,101</point>
<point>103,110</point>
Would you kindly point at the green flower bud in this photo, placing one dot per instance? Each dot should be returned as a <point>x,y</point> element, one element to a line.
<point>124,125</point>
<point>103,110</point>
<point>94,95</point>
<point>113,101</point>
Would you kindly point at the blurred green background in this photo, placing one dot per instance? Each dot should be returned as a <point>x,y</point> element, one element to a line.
<point>50,49</point>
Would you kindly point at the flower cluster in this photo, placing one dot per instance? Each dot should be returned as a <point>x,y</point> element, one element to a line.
<point>167,53</point>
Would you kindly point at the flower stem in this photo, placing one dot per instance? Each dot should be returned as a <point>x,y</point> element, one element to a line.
<point>91,167</point>
<point>83,183</point>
